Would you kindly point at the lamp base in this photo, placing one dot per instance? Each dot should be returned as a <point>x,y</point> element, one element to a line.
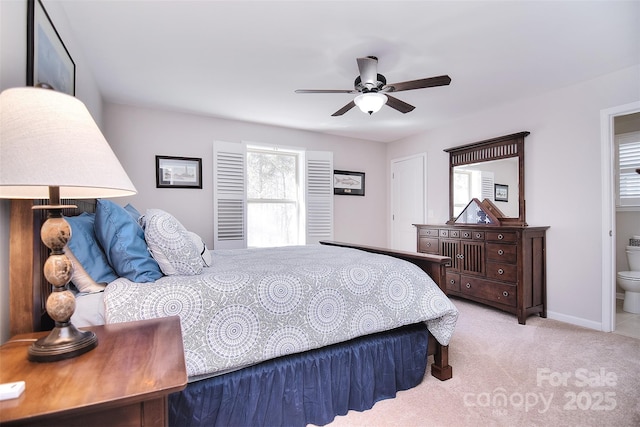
<point>65,341</point>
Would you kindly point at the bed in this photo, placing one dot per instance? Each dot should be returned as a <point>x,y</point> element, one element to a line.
<point>351,357</point>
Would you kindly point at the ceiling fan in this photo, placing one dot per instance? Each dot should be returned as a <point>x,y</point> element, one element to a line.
<point>373,89</point>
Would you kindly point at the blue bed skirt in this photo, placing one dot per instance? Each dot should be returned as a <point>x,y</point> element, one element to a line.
<point>307,388</point>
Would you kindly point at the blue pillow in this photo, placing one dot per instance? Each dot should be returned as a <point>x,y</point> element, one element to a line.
<point>87,251</point>
<point>123,242</point>
<point>133,212</point>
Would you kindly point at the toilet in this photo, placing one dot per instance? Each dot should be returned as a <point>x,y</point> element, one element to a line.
<point>630,280</point>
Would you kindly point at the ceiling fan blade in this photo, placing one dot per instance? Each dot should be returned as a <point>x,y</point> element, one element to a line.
<point>401,106</point>
<point>368,71</point>
<point>326,91</point>
<point>344,109</point>
<point>418,84</point>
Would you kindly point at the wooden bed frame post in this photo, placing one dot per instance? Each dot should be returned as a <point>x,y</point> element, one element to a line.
<point>436,267</point>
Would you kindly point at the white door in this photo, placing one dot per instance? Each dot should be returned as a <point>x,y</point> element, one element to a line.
<point>408,200</point>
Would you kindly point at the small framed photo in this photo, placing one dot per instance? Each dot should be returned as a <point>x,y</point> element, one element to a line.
<point>348,183</point>
<point>49,63</point>
<point>178,172</point>
<point>501,193</point>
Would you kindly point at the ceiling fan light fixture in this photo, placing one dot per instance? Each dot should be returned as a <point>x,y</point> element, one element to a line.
<point>370,102</point>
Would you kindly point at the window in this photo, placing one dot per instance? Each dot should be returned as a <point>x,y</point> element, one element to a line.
<point>273,197</point>
<point>628,162</point>
<point>469,184</point>
<point>271,205</point>
<point>462,192</point>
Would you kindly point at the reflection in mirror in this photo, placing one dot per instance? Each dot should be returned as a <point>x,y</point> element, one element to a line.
<point>475,213</point>
<point>496,180</point>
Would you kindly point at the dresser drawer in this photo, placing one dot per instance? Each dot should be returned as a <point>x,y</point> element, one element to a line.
<point>453,282</point>
<point>502,236</point>
<point>502,271</point>
<point>466,234</point>
<point>502,253</point>
<point>430,232</point>
<point>428,245</point>
<point>491,291</point>
<point>477,235</point>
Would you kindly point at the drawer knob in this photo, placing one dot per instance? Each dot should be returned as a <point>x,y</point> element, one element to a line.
<point>500,271</point>
<point>428,244</point>
<point>468,285</point>
<point>505,294</point>
<point>453,282</point>
<point>500,252</point>
<point>465,234</point>
<point>460,256</point>
<point>478,235</point>
<point>500,236</point>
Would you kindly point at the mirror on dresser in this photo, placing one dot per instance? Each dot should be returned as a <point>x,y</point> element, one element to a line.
<point>496,258</point>
<point>492,169</point>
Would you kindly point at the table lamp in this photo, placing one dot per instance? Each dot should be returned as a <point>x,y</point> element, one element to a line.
<point>50,147</point>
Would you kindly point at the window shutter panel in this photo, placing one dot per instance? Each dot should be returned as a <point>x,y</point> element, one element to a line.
<point>229,195</point>
<point>628,156</point>
<point>319,196</point>
<point>487,182</point>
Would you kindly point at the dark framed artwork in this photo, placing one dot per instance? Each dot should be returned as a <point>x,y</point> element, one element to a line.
<point>501,193</point>
<point>49,63</point>
<point>348,183</point>
<point>178,172</point>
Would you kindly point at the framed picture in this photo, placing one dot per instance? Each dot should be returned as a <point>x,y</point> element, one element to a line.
<point>348,183</point>
<point>49,63</point>
<point>178,172</point>
<point>501,193</point>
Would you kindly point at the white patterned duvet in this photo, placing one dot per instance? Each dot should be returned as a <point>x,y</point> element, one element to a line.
<point>257,304</point>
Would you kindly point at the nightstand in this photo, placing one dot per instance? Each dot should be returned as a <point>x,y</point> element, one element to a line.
<point>125,381</point>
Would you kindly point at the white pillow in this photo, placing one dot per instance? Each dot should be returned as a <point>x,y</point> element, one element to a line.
<point>80,278</point>
<point>170,244</point>
<point>202,248</point>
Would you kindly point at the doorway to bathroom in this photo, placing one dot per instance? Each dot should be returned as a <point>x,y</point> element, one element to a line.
<point>615,228</point>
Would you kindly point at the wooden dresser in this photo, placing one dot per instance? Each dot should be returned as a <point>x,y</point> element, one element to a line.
<point>503,267</point>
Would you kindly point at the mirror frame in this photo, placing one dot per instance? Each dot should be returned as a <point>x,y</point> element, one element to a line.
<point>488,150</point>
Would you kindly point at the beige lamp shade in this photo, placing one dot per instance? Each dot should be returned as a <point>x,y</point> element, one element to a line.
<point>49,138</point>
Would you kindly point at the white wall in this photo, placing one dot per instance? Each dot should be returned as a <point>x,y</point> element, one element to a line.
<point>137,135</point>
<point>563,179</point>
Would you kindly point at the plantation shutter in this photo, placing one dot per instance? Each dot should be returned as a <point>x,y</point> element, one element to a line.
<point>628,161</point>
<point>487,186</point>
<point>319,196</point>
<point>229,195</point>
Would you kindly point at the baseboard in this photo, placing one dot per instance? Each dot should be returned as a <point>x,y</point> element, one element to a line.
<point>578,321</point>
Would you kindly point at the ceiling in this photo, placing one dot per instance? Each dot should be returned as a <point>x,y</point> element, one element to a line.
<point>243,60</point>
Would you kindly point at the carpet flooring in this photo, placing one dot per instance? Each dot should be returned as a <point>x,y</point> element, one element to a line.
<point>544,373</point>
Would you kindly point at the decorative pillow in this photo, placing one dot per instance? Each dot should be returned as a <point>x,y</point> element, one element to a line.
<point>170,244</point>
<point>123,242</point>
<point>80,279</point>
<point>202,248</point>
<point>90,264</point>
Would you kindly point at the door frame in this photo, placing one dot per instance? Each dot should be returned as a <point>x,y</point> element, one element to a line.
<point>608,232</point>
